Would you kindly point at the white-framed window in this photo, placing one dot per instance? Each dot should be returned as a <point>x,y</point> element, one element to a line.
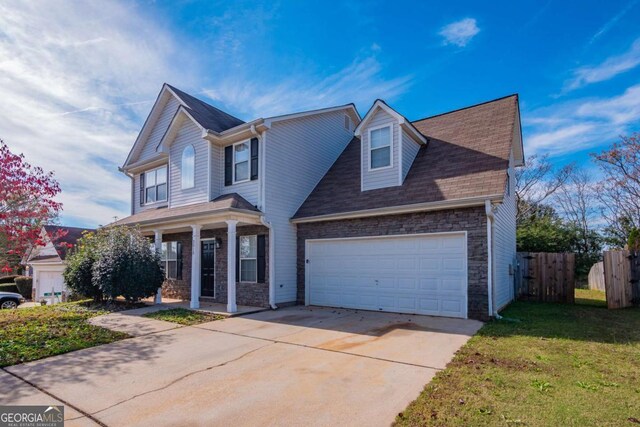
<point>188,167</point>
<point>380,155</point>
<point>248,258</point>
<point>241,157</point>
<point>155,185</point>
<point>169,258</point>
<point>347,123</point>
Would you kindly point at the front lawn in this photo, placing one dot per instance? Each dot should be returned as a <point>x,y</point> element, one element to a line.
<point>183,316</point>
<point>34,333</point>
<point>542,365</point>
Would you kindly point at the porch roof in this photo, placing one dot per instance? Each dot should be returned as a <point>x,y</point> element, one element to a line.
<point>227,203</point>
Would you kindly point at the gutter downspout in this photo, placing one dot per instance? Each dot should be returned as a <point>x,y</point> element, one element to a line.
<point>133,189</point>
<point>272,239</point>
<point>489,212</point>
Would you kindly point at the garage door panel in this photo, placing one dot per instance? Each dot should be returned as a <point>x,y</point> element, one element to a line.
<point>424,274</point>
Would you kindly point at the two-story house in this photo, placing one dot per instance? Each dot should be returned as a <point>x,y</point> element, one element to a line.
<point>325,208</point>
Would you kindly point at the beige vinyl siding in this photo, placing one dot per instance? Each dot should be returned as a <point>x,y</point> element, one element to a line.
<point>136,196</point>
<point>250,190</point>
<point>168,110</point>
<point>387,177</point>
<point>298,154</point>
<point>409,151</point>
<point>188,134</point>
<point>504,244</point>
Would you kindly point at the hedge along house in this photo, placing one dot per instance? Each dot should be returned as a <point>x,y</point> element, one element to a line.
<point>48,262</point>
<point>323,208</point>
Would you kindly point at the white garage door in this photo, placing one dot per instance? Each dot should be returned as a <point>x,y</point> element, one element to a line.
<point>48,280</point>
<point>423,274</point>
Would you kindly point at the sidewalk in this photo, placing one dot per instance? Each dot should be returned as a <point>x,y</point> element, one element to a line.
<point>133,323</point>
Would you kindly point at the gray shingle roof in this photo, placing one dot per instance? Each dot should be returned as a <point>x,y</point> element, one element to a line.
<point>207,115</point>
<point>221,203</point>
<point>467,156</point>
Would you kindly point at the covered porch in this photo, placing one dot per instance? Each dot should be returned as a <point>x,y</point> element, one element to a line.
<point>216,255</point>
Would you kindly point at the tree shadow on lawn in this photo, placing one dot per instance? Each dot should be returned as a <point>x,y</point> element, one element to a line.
<point>86,365</point>
<point>567,321</point>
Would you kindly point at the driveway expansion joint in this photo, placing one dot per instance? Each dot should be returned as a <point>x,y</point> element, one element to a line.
<point>277,341</point>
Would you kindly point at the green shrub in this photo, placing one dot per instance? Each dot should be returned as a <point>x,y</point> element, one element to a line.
<point>126,265</point>
<point>7,279</point>
<point>78,273</point>
<point>24,285</point>
<point>114,262</point>
<point>9,287</point>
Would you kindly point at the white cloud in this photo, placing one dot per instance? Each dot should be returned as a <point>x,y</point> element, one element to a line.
<point>460,32</point>
<point>618,110</point>
<point>581,124</point>
<point>76,79</point>
<point>613,21</point>
<point>608,69</point>
<point>360,82</point>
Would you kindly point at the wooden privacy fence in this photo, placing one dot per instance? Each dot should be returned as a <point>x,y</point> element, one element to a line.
<point>622,278</point>
<point>596,276</point>
<point>546,277</point>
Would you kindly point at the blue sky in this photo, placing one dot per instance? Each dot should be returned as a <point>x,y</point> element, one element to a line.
<point>77,79</point>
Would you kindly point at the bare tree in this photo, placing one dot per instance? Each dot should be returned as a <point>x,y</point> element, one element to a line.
<point>578,203</point>
<point>537,181</point>
<point>619,191</point>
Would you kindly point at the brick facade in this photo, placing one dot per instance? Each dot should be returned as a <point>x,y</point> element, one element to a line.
<point>255,294</point>
<point>473,220</point>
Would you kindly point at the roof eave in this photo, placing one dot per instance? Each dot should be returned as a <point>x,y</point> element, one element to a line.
<point>396,210</point>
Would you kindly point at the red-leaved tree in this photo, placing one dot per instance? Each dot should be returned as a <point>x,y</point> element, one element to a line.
<point>26,204</point>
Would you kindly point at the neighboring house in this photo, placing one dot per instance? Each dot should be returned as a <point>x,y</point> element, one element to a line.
<point>48,262</point>
<point>322,208</point>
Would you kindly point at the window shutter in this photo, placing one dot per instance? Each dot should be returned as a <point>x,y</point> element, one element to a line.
<point>261,258</point>
<point>228,165</point>
<point>179,260</point>
<point>254,159</point>
<point>141,189</point>
<point>237,258</point>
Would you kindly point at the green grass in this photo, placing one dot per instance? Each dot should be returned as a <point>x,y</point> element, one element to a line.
<point>542,365</point>
<point>34,333</point>
<point>183,316</point>
<point>591,297</point>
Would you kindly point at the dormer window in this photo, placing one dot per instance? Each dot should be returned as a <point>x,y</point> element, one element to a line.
<point>380,155</point>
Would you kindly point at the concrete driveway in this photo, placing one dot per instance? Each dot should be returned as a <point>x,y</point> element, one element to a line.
<point>293,366</point>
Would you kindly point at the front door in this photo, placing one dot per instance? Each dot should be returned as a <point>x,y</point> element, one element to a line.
<point>207,278</point>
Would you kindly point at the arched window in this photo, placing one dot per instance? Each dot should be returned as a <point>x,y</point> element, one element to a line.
<point>188,167</point>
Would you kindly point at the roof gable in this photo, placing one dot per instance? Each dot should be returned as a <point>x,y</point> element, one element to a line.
<point>402,121</point>
<point>206,116</point>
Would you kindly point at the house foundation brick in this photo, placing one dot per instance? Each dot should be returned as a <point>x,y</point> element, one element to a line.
<point>254,294</point>
<point>472,220</point>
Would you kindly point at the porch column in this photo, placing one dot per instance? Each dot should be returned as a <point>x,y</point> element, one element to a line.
<point>195,267</point>
<point>231,266</point>
<point>158,244</point>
